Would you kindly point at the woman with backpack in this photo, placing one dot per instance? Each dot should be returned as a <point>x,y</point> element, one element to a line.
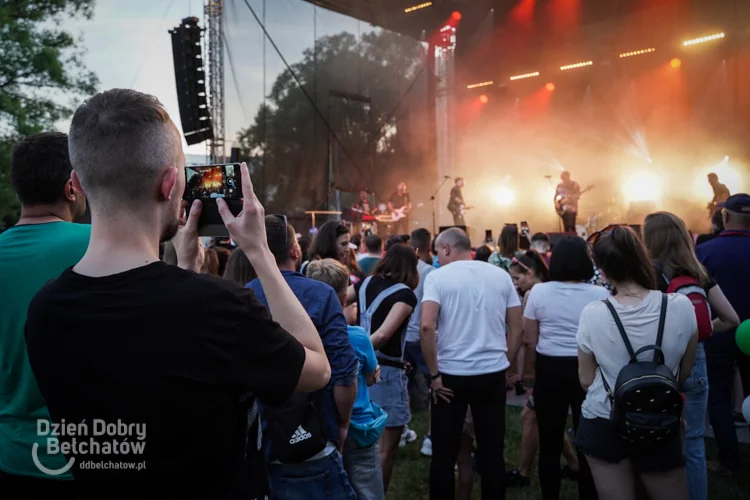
<point>631,349</point>
<point>550,324</point>
<point>677,270</point>
<point>385,302</point>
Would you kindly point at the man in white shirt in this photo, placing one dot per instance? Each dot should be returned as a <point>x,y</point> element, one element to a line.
<point>471,302</point>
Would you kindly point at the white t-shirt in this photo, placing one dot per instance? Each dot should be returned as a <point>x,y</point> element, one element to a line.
<point>598,334</point>
<point>557,306</point>
<point>473,297</point>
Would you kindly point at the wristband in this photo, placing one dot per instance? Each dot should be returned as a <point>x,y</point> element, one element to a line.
<point>435,377</point>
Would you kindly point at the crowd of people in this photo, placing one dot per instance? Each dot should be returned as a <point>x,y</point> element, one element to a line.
<point>286,368</point>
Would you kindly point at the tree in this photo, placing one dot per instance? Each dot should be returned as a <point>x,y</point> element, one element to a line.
<point>40,68</point>
<point>288,141</point>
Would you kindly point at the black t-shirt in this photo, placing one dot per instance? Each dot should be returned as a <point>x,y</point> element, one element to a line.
<point>376,285</point>
<point>399,201</point>
<point>455,193</point>
<point>179,352</point>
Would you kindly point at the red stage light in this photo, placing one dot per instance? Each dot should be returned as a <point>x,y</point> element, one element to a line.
<point>456,16</point>
<point>484,99</point>
<point>675,63</point>
<point>550,86</point>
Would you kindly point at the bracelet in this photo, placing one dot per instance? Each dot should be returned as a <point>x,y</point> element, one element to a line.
<point>435,377</point>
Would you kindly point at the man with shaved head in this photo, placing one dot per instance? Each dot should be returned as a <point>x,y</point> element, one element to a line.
<point>470,302</point>
<point>128,350</point>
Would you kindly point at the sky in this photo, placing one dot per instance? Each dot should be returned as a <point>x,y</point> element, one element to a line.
<point>128,46</point>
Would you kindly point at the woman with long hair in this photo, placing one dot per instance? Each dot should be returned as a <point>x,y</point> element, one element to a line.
<point>239,268</point>
<point>529,270</point>
<point>333,242</point>
<point>507,247</point>
<point>385,302</point>
<point>673,255</point>
<point>550,325</point>
<point>602,354</point>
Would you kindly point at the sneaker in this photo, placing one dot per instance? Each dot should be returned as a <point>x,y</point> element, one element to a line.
<point>514,479</point>
<point>407,436</point>
<point>426,447</point>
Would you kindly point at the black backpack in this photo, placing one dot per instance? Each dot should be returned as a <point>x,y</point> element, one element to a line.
<point>647,402</point>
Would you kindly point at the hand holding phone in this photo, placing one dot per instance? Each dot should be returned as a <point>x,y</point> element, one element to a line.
<point>210,183</point>
<point>248,228</point>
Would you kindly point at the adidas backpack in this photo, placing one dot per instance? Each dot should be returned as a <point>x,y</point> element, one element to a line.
<point>692,289</point>
<point>646,403</point>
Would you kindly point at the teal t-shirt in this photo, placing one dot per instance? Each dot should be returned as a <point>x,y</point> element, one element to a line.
<point>30,256</point>
<point>362,412</point>
<point>367,264</point>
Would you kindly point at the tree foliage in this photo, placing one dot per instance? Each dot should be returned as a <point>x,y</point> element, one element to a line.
<point>288,141</point>
<point>41,75</point>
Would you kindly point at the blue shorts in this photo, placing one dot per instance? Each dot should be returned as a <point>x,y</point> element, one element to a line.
<point>392,395</point>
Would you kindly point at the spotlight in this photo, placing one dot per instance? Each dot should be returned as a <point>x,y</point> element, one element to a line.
<point>482,84</point>
<point>550,86</point>
<point>703,39</point>
<point>456,15</point>
<point>484,99</point>
<point>504,196</point>
<point>642,186</point>
<point>418,7</point>
<point>637,53</point>
<point>675,63</point>
<point>525,75</point>
<point>576,65</point>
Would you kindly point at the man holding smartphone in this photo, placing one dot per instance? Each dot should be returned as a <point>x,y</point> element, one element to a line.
<point>125,340</point>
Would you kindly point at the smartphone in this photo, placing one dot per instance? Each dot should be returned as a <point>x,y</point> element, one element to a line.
<point>208,183</point>
<point>525,240</point>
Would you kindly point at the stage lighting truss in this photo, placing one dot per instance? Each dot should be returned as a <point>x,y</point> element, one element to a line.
<point>576,65</point>
<point>525,75</point>
<point>482,84</point>
<point>418,7</point>
<point>637,53</point>
<point>703,39</point>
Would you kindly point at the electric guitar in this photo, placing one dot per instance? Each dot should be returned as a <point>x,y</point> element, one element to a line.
<point>399,213</point>
<point>561,201</point>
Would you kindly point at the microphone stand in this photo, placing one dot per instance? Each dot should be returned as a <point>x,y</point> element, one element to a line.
<point>432,198</point>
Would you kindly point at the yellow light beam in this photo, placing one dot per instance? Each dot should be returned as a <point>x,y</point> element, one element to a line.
<point>525,75</point>
<point>703,39</point>
<point>576,65</point>
<point>637,52</point>
<point>482,84</point>
<point>418,7</point>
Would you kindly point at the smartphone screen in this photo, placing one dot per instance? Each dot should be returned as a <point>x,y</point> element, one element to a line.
<point>210,182</point>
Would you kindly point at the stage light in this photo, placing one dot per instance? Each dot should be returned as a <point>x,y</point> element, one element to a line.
<point>418,7</point>
<point>576,65</point>
<point>642,186</point>
<point>482,84</point>
<point>484,99</point>
<point>637,53</point>
<point>703,39</point>
<point>525,75</point>
<point>550,86</point>
<point>504,196</point>
<point>456,15</point>
<point>675,63</point>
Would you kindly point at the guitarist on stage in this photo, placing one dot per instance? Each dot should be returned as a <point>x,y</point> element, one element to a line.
<point>566,201</point>
<point>456,203</point>
<point>399,205</point>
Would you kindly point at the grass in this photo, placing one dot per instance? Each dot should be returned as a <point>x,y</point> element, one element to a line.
<point>411,471</point>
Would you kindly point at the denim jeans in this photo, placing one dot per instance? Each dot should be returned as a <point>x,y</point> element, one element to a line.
<point>322,479</point>
<point>695,389</point>
<point>363,467</point>
<point>419,385</point>
<point>721,355</point>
